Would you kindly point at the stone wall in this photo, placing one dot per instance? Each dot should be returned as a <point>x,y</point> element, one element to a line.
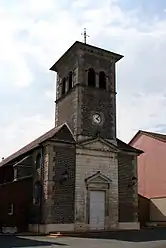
<point>128,196</point>
<point>95,99</point>
<point>100,101</point>
<point>66,110</point>
<point>88,163</point>
<point>47,184</point>
<point>59,195</point>
<point>78,105</point>
<point>63,191</point>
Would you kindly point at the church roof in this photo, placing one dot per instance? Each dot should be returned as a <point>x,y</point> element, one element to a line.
<point>36,143</point>
<point>126,147</point>
<point>158,136</point>
<point>121,145</point>
<point>85,47</point>
<point>50,134</point>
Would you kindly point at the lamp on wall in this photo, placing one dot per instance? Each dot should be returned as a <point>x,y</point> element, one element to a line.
<point>64,176</point>
<point>133,182</point>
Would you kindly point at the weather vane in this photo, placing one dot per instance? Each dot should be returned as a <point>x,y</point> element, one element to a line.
<point>85,35</point>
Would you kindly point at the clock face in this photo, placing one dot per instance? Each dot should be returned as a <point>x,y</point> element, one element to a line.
<point>97,119</point>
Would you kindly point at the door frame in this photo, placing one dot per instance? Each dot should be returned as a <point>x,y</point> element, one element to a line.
<point>98,182</point>
<point>106,190</point>
<point>105,203</point>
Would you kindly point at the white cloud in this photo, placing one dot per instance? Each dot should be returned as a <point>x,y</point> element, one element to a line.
<point>43,30</point>
<point>17,134</point>
<point>50,94</point>
<point>141,112</point>
<point>15,70</point>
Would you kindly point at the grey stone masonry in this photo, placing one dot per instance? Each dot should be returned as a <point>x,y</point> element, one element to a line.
<point>47,185</point>
<point>78,104</point>
<point>58,204</point>
<point>63,191</point>
<point>128,194</point>
<point>89,160</point>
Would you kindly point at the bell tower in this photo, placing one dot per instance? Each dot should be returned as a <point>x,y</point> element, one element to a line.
<point>86,91</point>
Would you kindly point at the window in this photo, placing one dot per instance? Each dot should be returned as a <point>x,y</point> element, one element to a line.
<point>15,173</point>
<point>38,161</point>
<point>91,77</point>
<point>37,193</point>
<point>70,80</point>
<point>63,86</point>
<point>102,80</point>
<point>10,209</point>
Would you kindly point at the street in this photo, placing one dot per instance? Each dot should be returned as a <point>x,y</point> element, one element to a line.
<point>142,239</point>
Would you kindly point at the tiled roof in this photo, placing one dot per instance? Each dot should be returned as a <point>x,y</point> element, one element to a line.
<point>79,45</point>
<point>158,136</point>
<point>126,147</point>
<point>121,145</point>
<point>32,145</point>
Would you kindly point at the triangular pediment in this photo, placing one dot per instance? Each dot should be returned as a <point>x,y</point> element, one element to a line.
<point>64,133</point>
<point>98,178</point>
<point>98,144</point>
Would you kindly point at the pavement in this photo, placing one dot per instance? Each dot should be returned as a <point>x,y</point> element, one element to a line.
<point>127,239</point>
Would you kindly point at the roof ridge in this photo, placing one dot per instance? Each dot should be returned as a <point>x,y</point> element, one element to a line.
<point>33,144</point>
<point>77,45</point>
<point>6,160</point>
<point>155,135</point>
<point>127,147</point>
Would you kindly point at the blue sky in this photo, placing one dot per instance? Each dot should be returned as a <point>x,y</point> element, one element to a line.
<point>34,33</point>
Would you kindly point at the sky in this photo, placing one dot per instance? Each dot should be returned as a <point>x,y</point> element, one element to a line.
<point>35,33</point>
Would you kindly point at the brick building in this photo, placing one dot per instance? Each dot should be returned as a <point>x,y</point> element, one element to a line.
<point>79,175</point>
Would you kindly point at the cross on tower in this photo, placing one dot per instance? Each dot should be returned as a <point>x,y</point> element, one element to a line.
<point>85,35</point>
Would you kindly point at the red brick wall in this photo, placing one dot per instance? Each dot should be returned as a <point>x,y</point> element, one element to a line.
<point>20,195</point>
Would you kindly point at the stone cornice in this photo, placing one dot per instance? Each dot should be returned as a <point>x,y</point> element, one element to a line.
<point>114,57</point>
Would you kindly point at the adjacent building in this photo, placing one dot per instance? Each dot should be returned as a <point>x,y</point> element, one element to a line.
<point>151,176</point>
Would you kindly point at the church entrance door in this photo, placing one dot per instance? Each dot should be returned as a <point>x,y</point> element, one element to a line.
<point>97,209</point>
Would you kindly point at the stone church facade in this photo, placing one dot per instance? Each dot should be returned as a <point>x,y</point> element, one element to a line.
<point>83,177</point>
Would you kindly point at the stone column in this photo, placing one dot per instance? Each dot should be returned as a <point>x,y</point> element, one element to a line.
<point>48,184</point>
<point>135,188</point>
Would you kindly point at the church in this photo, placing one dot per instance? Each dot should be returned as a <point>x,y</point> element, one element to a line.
<point>78,176</point>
